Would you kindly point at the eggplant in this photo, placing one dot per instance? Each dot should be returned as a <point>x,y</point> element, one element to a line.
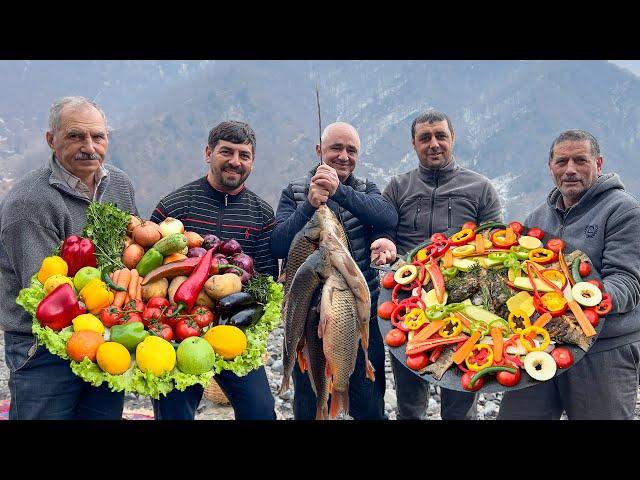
<point>247,317</point>
<point>235,302</point>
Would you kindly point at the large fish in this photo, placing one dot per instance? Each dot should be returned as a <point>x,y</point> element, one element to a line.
<point>565,329</point>
<point>304,244</point>
<point>306,281</point>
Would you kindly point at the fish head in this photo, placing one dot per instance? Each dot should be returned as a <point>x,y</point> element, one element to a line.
<point>312,229</point>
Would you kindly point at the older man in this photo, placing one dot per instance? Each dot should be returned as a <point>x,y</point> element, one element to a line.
<point>363,213</point>
<point>41,210</point>
<point>593,213</point>
<point>436,196</point>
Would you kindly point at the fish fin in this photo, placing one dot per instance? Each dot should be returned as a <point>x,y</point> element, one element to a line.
<point>339,402</point>
<point>322,412</point>
<point>370,371</point>
<point>284,386</point>
<point>302,362</point>
<point>282,277</point>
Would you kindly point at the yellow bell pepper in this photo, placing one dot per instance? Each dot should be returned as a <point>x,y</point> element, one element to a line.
<point>537,331</point>
<point>51,266</point>
<point>454,324</point>
<point>472,361</point>
<point>415,319</point>
<point>96,296</point>
<point>519,313</point>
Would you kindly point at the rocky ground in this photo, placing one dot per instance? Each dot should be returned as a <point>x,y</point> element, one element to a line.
<point>489,404</point>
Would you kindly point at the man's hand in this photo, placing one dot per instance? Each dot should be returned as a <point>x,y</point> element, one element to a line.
<point>327,178</point>
<point>317,195</point>
<point>383,251</point>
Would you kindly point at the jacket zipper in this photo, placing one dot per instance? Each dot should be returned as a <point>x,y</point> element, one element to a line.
<point>449,211</point>
<point>433,204</point>
<point>415,219</point>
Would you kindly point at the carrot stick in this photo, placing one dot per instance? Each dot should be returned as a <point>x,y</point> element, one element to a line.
<point>509,235</point>
<point>123,281</point>
<point>139,289</point>
<point>586,326</point>
<point>133,283</point>
<point>479,245</point>
<point>447,259</point>
<point>543,320</point>
<point>426,332</point>
<point>465,321</point>
<point>565,268</point>
<point>496,335</point>
<point>463,351</point>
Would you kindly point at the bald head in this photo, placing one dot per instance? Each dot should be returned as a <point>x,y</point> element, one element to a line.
<point>340,127</point>
<point>340,148</point>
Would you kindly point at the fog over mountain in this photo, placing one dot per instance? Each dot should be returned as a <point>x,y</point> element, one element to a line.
<point>505,115</point>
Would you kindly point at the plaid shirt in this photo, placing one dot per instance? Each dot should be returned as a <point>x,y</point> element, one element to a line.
<point>65,176</point>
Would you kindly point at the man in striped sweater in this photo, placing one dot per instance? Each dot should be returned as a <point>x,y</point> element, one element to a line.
<point>220,204</point>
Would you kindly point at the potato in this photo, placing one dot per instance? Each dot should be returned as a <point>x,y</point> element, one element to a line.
<point>155,289</point>
<point>173,287</point>
<point>204,300</point>
<point>219,286</point>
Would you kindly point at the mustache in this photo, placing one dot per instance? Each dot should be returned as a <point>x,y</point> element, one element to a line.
<point>87,156</point>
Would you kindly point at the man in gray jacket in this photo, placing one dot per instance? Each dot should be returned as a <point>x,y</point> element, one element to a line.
<point>42,209</point>
<point>436,196</point>
<point>593,213</point>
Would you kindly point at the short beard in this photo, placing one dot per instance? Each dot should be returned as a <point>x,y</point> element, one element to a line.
<point>231,184</point>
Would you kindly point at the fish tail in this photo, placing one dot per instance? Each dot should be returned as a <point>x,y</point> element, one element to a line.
<point>302,363</point>
<point>370,371</point>
<point>339,402</point>
<point>284,386</point>
<point>322,412</point>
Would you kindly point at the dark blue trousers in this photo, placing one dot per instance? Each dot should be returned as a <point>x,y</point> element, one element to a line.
<point>250,397</point>
<point>43,387</point>
<point>366,398</point>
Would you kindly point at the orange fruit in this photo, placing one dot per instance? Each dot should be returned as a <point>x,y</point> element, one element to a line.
<point>84,343</point>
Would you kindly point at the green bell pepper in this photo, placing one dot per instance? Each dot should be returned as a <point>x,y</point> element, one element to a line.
<point>152,259</point>
<point>128,334</point>
<point>520,252</point>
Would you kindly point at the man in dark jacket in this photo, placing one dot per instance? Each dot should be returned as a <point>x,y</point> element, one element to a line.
<point>42,209</point>
<point>592,212</point>
<point>220,204</point>
<point>363,213</point>
<point>436,196</point>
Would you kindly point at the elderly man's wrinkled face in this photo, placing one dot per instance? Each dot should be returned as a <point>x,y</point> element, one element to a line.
<point>81,142</point>
<point>433,143</point>
<point>575,169</point>
<point>230,165</point>
<point>340,149</point>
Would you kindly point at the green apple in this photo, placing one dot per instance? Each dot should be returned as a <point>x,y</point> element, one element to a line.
<point>84,276</point>
<point>195,356</point>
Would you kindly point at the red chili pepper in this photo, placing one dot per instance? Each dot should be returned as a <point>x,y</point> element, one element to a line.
<point>78,252</point>
<point>187,293</point>
<point>604,306</point>
<point>435,354</point>
<point>59,308</point>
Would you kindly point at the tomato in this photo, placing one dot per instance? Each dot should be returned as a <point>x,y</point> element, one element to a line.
<point>437,237</point>
<point>130,317</point>
<point>203,315</point>
<point>563,357</point>
<point>471,225</point>
<point>604,306</point>
<point>388,281</point>
<point>555,245</point>
<point>508,379</point>
<point>536,232</point>
<point>417,361</point>
<point>385,309</point>
<point>161,330</point>
<point>186,328</point>
<point>517,228</point>
<point>395,337</point>
<point>168,319</point>
<point>157,302</point>
<point>151,314</point>
<point>596,283</point>
<point>134,305</point>
<point>111,316</point>
<point>592,316</point>
<point>584,269</point>
<point>466,378</point>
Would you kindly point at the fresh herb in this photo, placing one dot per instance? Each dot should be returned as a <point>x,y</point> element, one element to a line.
<point>258,286</point>
<point>106,227</point>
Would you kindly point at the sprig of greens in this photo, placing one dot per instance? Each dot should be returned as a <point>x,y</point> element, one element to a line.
<point>106,227</point>
<point>258,286</point>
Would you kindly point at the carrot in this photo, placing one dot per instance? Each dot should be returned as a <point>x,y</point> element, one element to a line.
<point>116,275</point>
<point>509,236</point>
<point>447,259</point>
<point>465,321</point>
<point>498,341</point>
<point>127,298</point>
<point>565,268</point>
<point>133,283</point>
<point>426,332</point>
<point>123,281</point>
<point>479,244</point>
<point>139,289</point>
<point>543,320</point>
<point>586,326</point>
<point>463,351</point>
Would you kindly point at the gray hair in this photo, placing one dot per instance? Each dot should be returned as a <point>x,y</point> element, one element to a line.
<point>576,135</point>
<point>72,102</point>
<point>430,116</point>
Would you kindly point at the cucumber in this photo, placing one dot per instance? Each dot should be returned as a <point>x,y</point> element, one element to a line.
<point>523,283</point>
<point>463,264</point>
<point>479,314</point>
<point>171,244</point>
<point>575,270</point>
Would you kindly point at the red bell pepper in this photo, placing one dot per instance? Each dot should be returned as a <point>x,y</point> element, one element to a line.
<point>604,306</point>
<point>438,281</point>
<point>78,252</point>
<point>58,309</point>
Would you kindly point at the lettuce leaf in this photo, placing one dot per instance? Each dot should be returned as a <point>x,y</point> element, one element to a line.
<point>29,298</point>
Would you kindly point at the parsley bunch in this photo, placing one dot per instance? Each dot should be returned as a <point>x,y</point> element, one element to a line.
<point>106,227</point>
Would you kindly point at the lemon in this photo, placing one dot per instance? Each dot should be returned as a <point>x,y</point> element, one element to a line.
<point>50,266</point>
<point>227,341</point>
<point>155,355</point>
<point>54,281</point>
<point>113,358</point>
<point>87,321</point>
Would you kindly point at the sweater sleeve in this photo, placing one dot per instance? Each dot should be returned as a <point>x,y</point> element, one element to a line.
<point>490,208</point>
<point>369,207</point>
<point>289,221</point>
<point>27,244</point>
<point>390,196</point>
<point>620,261</point>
